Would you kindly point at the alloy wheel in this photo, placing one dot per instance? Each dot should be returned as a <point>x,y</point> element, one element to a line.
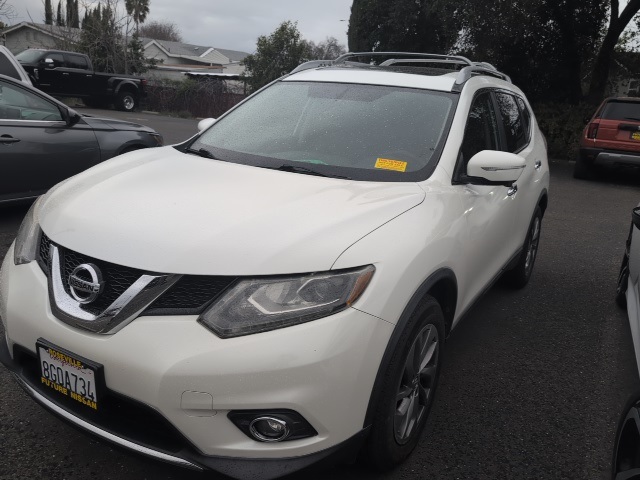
<point>416,386</point>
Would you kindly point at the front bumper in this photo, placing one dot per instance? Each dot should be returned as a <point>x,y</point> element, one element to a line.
<point>324,370</point>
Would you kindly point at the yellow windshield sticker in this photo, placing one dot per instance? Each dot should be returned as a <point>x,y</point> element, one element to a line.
<point>388,164</point>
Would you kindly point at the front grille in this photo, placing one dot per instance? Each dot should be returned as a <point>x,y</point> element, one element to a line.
<point>189,296</point>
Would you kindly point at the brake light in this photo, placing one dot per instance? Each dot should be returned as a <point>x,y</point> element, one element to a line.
<point>143,82</point>
<point>593,130</point>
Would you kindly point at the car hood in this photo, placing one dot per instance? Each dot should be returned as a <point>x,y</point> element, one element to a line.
<point>102,123</point>
<point>165,211</point>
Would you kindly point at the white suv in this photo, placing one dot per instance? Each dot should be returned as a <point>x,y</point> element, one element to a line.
<point>277,290</point>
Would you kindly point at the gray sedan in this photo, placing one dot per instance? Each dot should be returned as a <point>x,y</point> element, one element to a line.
<point>42,141</point>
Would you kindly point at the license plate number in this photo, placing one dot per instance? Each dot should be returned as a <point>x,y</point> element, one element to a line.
<point>635,135</point>
<point>68,375</point>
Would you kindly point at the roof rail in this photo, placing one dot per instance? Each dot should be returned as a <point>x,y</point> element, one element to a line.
<point>469,69</point>
<point>427,57</point>
<point>478,69</point>
<point>312,64</point>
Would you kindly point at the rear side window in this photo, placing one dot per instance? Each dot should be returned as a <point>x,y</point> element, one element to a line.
<point>7,68</point>
<point>526,117</point>
<point>512,121</point>
<point>621,111</point>
<point>77,61</point>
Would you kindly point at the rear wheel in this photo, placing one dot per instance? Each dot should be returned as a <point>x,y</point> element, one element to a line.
<point>582,170</point>
<point>125,101</point>
<point>408,388</point>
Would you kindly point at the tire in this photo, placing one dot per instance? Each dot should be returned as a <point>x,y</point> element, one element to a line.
<point>625,463</point>
<point>126,101</point>
<point>623,276</point>
<point>582,170</point>
<point>519,275</point>
<point>408,388</point>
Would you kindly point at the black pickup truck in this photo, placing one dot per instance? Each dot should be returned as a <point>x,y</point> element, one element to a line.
<point>70,74</point>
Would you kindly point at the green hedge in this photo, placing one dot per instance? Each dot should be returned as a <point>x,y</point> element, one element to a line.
<point>562,125</point>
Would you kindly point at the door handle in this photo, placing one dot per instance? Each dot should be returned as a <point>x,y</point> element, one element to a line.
<point>512,191</point>
<point>538,164</point>
<point>65,74</point>
<point>7,139</point>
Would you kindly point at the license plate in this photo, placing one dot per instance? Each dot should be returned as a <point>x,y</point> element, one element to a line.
<point>635,135</point>
<point>69,375</point>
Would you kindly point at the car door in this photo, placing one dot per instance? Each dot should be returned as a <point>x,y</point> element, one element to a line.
<point>50,73</point>
<point>490,210</point>
<point>516,124</point>
<point>77,79</point>
<point>37,147</point>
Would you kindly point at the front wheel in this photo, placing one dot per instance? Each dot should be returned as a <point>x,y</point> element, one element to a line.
<point>519,276</point>
<point>623,276</point>
<point>125,101</point>
<point>408,388</point>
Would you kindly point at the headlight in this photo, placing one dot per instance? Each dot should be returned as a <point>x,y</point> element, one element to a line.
<point>28,235</point>
<point>259,305</point>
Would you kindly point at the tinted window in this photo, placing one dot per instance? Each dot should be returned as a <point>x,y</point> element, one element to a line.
<point>621,111</point>
<point>58,59</point>
<point>360,131</point>
<point>526,117</point>
<point>77,61</point>
<point>513,125</point>
<point>481,132</point>
<point>19,104</point>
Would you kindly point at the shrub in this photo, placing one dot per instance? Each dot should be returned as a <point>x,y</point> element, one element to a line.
<point>562,125</point>
<point>200,98</point>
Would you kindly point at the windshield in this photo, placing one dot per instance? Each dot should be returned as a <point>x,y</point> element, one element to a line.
<point>30,56</point>
<point>364,132</point>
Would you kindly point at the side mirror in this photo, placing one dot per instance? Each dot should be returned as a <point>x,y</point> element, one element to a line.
<point>206,123</point>
<point>70,116</point>
<point>496,168</point>
<point>48,63</point>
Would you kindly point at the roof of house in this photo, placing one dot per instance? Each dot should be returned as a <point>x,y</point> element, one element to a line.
<point>53,30</point>
<point>197,53</point>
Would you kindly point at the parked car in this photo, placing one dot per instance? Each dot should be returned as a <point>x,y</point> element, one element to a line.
<point>71,74</point>
<point>42,141</point>
<point>628,287</point>
<point>611,138</point>
<point>278,289</point>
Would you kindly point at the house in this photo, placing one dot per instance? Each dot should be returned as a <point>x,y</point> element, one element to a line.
<point>176,58</point>
<point>24,35</point>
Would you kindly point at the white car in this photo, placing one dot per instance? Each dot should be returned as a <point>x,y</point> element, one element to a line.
<point>628,288</point>
<point>277,290</point>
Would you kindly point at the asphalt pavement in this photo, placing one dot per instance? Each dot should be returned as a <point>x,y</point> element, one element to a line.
<point>533,381</point>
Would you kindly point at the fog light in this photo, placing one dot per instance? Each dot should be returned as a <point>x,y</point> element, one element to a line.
<point>272,425</point>
<point>269,429</point>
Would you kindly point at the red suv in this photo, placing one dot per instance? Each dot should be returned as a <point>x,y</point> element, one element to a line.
<point>612,137</point>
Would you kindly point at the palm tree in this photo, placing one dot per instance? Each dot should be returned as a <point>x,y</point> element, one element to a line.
<point>138,9</point>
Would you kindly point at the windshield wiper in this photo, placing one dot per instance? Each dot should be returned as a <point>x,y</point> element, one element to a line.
<point>203,152</point>
<point>305,170</point>
<point>632,118</point>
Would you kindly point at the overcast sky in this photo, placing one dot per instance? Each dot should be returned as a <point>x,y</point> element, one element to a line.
<point>231,24</point>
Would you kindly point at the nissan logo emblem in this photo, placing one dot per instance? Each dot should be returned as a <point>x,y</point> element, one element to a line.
<point>85,283</point>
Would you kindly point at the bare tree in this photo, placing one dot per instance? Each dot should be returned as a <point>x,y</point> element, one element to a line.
<point>161,31</point>
<point>6,10</point>
<point>328,50</point>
